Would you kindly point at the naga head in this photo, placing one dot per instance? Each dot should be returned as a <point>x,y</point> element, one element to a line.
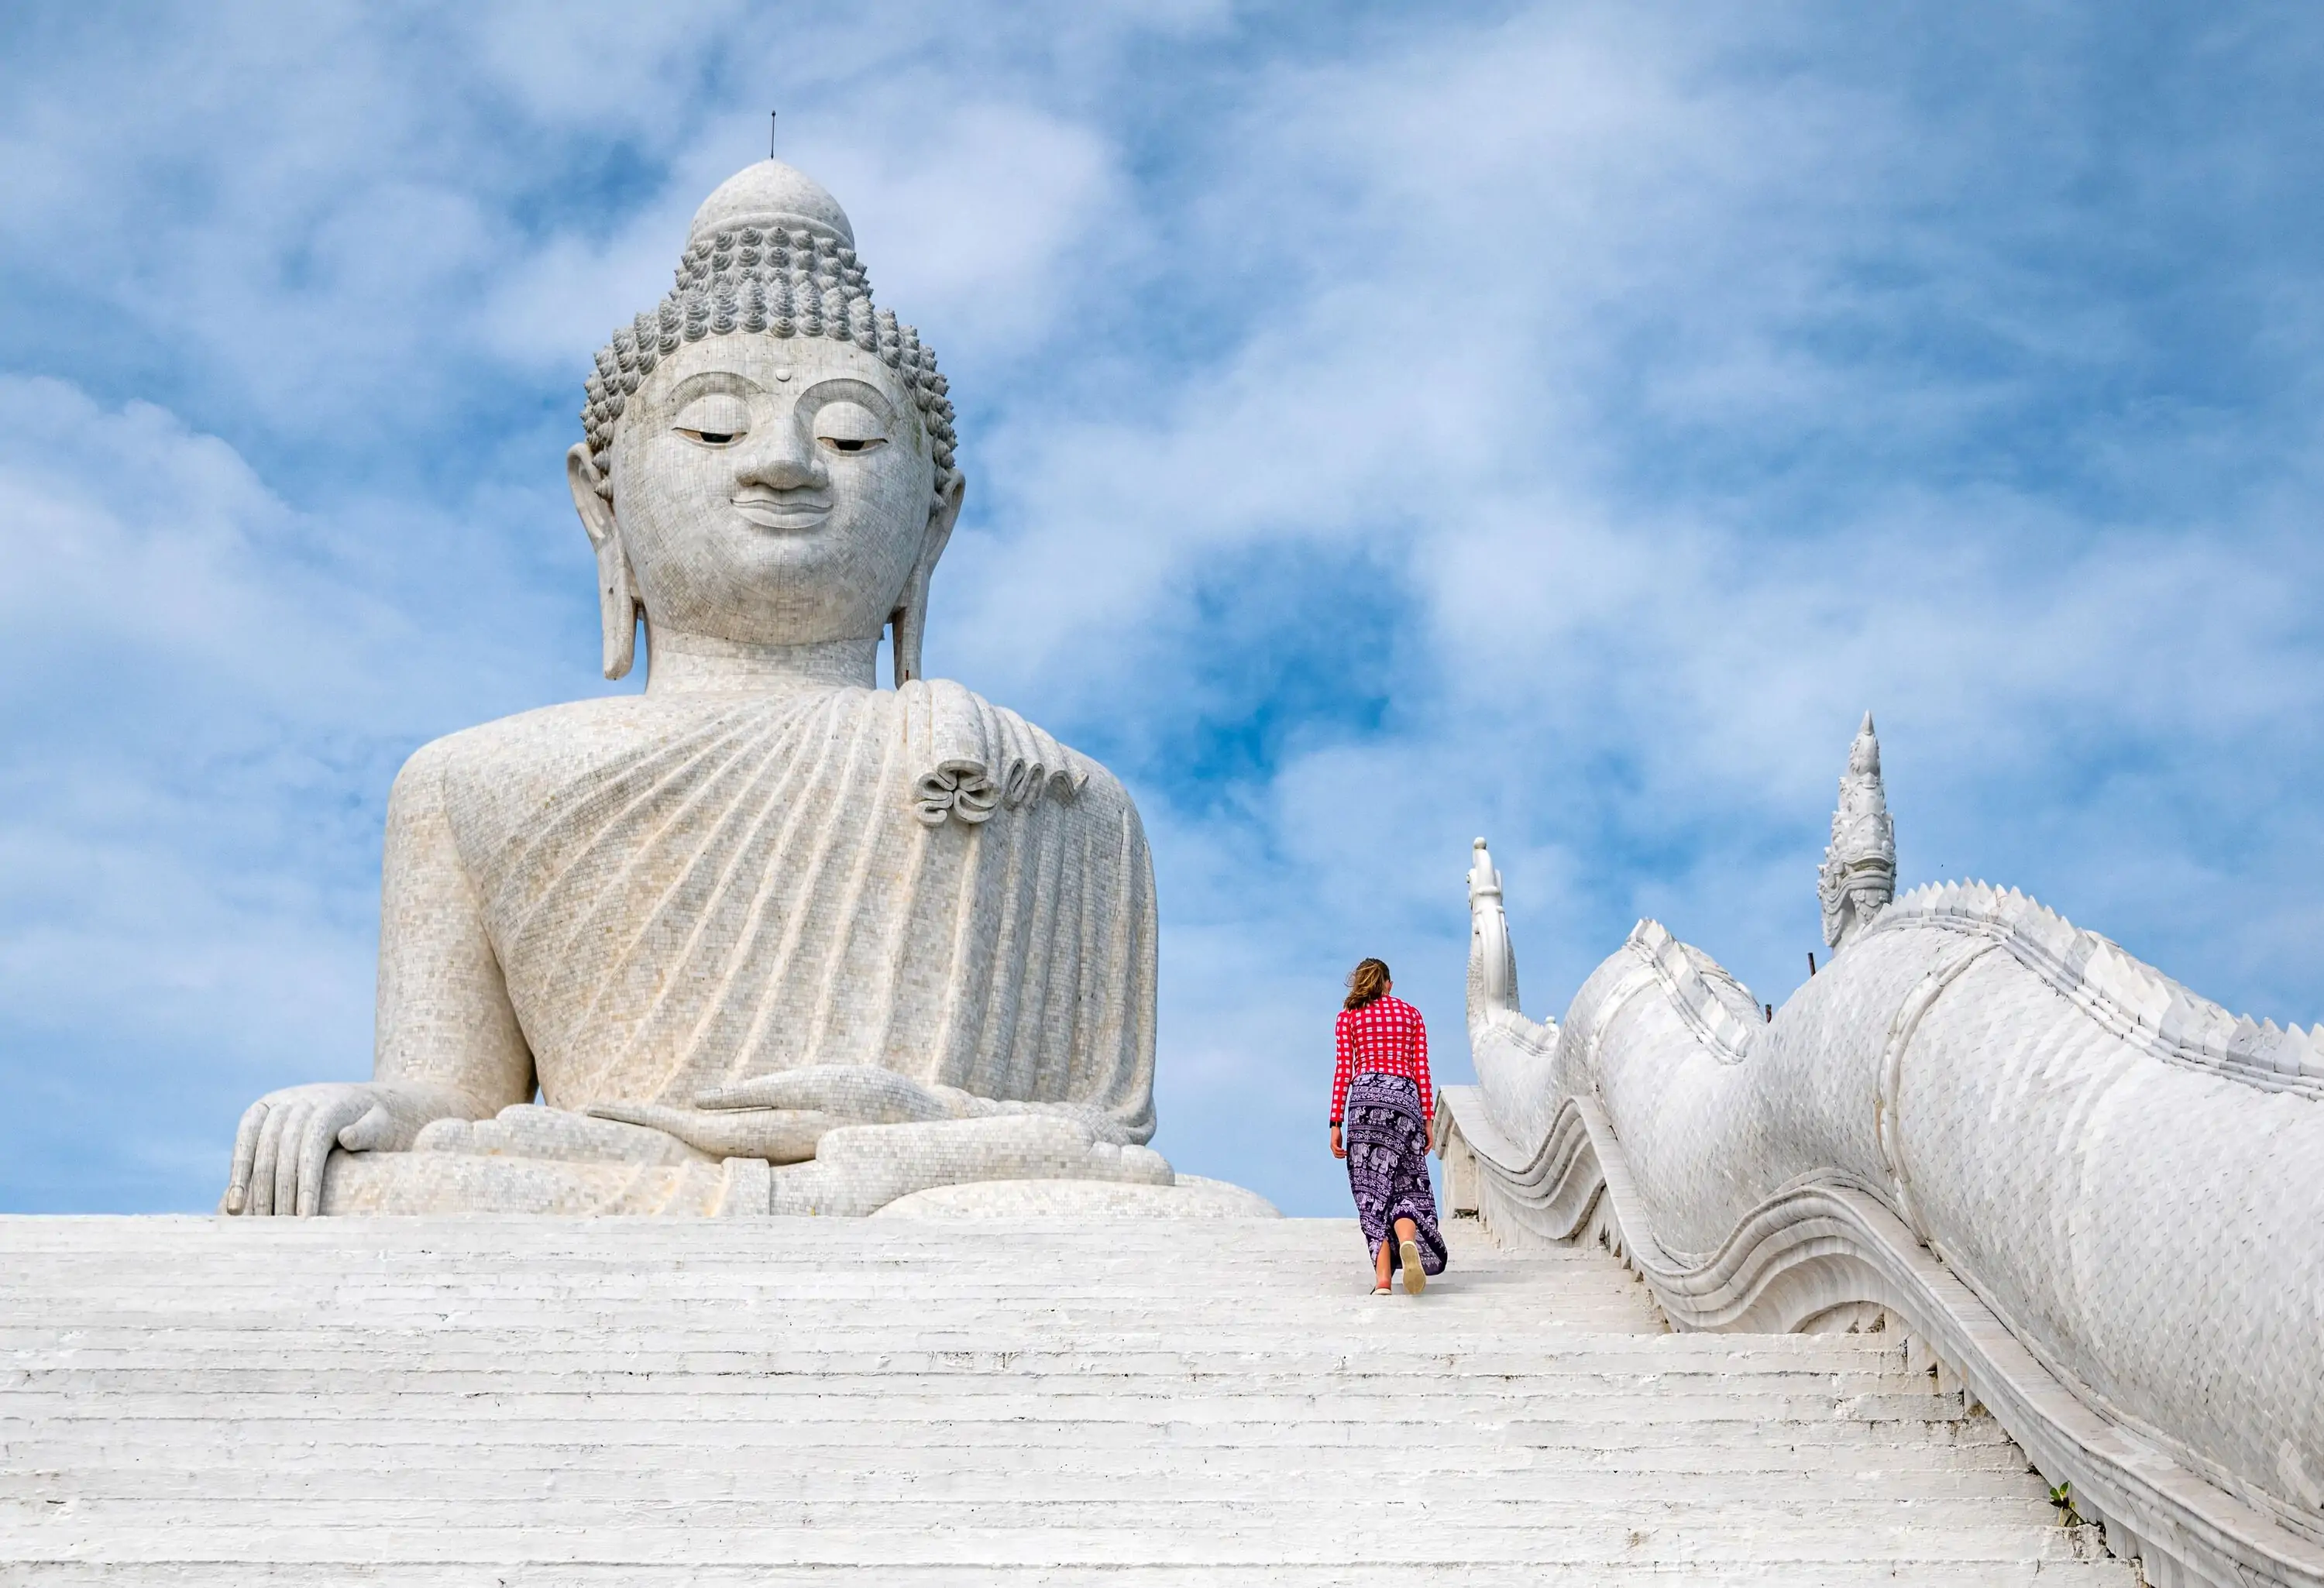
<point>768,457</point>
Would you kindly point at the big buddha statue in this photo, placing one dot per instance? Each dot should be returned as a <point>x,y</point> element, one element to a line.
<point>765,937</point>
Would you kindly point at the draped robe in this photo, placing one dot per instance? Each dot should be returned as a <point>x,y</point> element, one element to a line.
<point>687,891</point>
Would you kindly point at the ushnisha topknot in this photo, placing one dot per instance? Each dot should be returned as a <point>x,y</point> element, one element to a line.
<point>769,252</point>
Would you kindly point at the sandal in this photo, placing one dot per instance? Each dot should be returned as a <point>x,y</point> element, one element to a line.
<point>1380,1290</point>
<point>1415,1279</point>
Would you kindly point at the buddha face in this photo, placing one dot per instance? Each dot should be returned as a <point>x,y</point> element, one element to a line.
<point>771,489</point>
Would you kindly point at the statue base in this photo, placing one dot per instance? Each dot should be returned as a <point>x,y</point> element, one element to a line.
<point>435,1183</point>
<point>1013,1166</point>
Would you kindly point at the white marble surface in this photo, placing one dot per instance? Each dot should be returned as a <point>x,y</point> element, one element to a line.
<point>627,941</point>
<point>776,1403</point>
<point>1079,1201</point>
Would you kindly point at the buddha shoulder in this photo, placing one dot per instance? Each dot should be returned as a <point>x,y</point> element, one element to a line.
<point>958,753</point>
<point>546,744</point>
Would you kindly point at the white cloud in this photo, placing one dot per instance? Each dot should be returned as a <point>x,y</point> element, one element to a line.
<point>973,216</point>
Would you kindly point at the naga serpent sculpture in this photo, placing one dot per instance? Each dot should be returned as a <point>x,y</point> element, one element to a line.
<point>2091,1200</point>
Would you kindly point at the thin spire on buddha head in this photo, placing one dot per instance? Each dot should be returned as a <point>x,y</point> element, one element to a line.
<point>770,252</point>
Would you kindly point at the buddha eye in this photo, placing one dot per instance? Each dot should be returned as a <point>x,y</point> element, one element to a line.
<point>714,419</point>
<point>849,427</point>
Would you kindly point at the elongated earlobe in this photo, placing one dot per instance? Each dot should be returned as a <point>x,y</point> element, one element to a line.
<point>907,624</point>
<point>618,603</point>
<point>617,608</point>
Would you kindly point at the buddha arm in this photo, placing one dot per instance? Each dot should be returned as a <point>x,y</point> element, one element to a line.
<point>448,1045</point>
<point>444,1018</point>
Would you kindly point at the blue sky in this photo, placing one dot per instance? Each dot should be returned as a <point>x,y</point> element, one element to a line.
<point>1384,426</point>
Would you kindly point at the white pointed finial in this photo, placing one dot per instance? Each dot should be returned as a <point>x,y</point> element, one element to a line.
<point>1492,966</point>
<point>1483,880</point>
<point>1859,876</point>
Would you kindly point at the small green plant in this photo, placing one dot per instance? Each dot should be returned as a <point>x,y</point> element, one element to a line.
<point>2061,1495</point>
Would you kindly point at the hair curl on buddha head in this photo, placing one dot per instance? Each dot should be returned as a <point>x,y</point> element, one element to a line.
<point>773,253</point>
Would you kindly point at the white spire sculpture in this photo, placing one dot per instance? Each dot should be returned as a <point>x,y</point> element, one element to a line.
<point>1859,876</point>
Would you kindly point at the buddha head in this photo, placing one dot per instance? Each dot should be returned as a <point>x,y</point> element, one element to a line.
<point>768,458</point>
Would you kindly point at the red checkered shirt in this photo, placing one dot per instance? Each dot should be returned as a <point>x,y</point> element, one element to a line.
<point>1386,1036</point>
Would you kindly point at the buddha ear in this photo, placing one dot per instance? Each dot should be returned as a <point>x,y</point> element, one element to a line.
<point>617,588</point>
<point>908,622</point>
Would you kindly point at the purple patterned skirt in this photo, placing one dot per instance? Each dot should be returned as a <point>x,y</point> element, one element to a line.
<point>1387,1166</point>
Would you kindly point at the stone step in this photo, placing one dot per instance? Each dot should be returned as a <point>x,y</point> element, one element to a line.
<point>289,1299</point>
<point>1207,1531</point>
<point>835,1265</point>
<point>866,1256</point>
<point>85,1247</point>
<point>1411,1567</point>
<point>999,1319</point>
<point>82,1233</point>
<point>1838,1508</point>
<point>23,1443</point>
<point>1381,1383</point>
<point>1292,1289</point>
<point>609,1473</point>
<point>1338,1291</point>
<point>837,1276</point>
<point>627,1373</point>
<point>1407,1324</point>
<point>1053,1408</point>
<point>1671,1357</point>
<point>1252,1539</point>
<point>1664,1359</point>
<point>837,1270</point>
<point>865,1331</point>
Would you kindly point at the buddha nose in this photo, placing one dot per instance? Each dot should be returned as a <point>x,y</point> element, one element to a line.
<point>781,458</point>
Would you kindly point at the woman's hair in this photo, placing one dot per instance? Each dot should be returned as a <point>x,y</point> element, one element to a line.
<point>1366,982</point>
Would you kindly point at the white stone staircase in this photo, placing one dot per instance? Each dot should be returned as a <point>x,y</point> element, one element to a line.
<point>641,1402</point>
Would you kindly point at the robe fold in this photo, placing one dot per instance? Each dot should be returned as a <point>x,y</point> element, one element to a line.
<point>690,891</point>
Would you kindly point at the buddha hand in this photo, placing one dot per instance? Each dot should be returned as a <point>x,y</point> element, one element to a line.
<point>859,1093</point>
<point>781,1117</point>
<point>286,1137</point>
